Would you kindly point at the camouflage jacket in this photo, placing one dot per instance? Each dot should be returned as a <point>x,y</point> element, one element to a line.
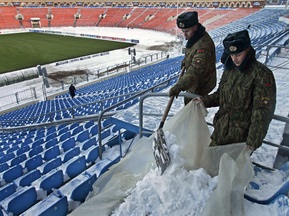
<point>200,66</point>
<point>246,98</point>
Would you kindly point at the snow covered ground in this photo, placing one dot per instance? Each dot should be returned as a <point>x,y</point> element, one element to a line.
<point>184,193</point>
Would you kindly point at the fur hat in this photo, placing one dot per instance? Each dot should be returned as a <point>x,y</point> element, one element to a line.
<point>187,19</point>
<point>237,42</point>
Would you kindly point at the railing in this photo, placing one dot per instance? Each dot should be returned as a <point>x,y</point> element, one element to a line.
<point>18,98</point>
<point>270,52</point>
<point>163,84</point>
<point>142,114</point>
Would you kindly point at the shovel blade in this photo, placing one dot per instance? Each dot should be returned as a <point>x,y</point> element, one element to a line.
<point>161,151</point>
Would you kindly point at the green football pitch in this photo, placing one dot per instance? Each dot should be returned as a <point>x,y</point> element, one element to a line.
<point>24,50</point>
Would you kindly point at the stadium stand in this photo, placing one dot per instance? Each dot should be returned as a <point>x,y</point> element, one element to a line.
<point>50,169</point>
<point>144,17</point>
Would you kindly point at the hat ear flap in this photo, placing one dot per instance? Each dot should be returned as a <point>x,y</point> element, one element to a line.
<point>224,57</point>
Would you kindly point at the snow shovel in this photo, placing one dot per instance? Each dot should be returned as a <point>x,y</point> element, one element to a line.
<point>160,148</point>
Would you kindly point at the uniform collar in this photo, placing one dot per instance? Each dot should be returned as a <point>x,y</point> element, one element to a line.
<point>198,34</point>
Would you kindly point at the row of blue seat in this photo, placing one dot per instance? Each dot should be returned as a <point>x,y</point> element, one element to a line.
<point>24,141</point>
<point>51,196</point>
<point>37,153</point>
<point>43,162</point>
<point>130,82</point>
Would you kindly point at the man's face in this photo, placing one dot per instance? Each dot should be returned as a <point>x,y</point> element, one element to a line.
<point>239,57</point>
<point>189,32</point>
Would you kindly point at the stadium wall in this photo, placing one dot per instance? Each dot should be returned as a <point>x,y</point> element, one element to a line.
<point>129,3</point>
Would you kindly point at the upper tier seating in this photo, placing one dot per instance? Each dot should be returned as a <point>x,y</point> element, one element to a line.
<point>161,19</point>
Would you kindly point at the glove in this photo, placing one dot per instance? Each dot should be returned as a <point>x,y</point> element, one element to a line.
<point>197,100</point>
<point>175,91</point>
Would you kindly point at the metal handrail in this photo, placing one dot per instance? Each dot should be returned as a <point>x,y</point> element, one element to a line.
<point>140,93</point>
<point>63,121</point>
<point>141,114</point>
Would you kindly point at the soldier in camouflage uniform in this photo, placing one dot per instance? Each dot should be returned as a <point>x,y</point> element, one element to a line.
<point>199,61</point>
<point>246,95</point>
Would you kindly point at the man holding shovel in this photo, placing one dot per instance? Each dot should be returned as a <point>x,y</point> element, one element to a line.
<point>200,58</point>
<point>199,78</point>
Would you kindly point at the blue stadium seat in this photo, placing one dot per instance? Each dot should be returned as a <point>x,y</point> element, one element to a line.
<point>27,141</point>
<point>7,190</point>
<point>81,190</point>
<point>7,157</point>
<point>33,162</point>
<point>4,148</point>
<point>88,124</point>
<point>17,160</point>
<point>64,136</point>
<point>71,154</point>
<point>29,177</point>
<point>40,133</point>
<point>51,136</point>
<point>91,154</point>
<point>90,142</point>
<point>20,201</point>
<point>105,134</point>
<point>51,142</point>
<point>35,151</point>
<point>82,137</point>
<point>93,130</point>
<point>23,149</point>
<point>62,129</point>
<point>76,130</point>
<point>2,153</point>
<point>68,144</point>
<point>74,125</point>
<point>37,143</point>
<point>3,167</point>
<point>51,153</point>
<point>54,180</point>
<point>13,148</point>
<point>106,122</point>
<point>52,165</point>
<point>50,130</point>
<point>50,206</point>
<point>12,173</point>
<point>75,167</point>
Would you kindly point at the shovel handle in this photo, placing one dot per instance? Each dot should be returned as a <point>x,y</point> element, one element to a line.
<point>169,103</point>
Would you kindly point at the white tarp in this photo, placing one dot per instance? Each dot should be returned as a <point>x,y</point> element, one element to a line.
<point>192,134</point>
<point>235,170</point>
